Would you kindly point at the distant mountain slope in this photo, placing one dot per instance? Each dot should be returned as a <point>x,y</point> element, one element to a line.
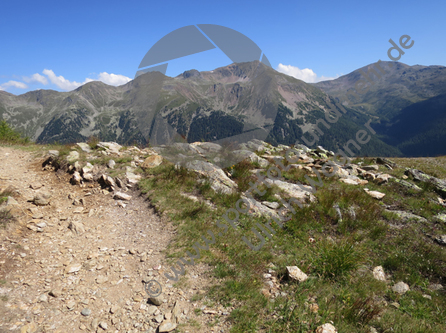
<point>236,100</point>
<point>400,86</point>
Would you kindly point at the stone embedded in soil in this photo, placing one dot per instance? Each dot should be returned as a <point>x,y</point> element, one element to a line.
<point>296,274</point>
<point>122,196</point>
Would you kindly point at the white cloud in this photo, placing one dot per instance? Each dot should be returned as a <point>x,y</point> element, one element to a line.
<point>113,79</point>
<point>36,78</point>
<point>306,74</point>
<point>64,84</point>
<point>14,84</point>
<point>60,81</point>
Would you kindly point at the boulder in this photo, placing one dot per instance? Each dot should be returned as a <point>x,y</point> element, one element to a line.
<point>167,326</point>
<point>440,218</point>
<point>300,192</point>
<point>84,146</point>
<point>151,162</point>
<point>259,209</point>
<point>53,153</point>
<point>87,168</point>
<point>382,178</point>
<point>108,180</point>
<point>439,184</point>
<point>76,227</point>
<point>441,240</point>
<point>407,184</point>
<point>219,181</point>
<point>121,196</point>
<point>246,154</point>
<point>370,167</point>
<point>73,156</point>
<point>88,177</point>
<point>76,178</point>
<point>407,216</point>
<point>158,300</point>
<point>110,147</point>
<point>375,194</point>
<point>42,198</point>
<point>209,147</point>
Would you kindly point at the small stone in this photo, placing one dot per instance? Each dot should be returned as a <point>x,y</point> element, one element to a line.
<point>122,196</point>
<point>55,293</point>
<point>78,210</point>
<point>435,287</point>
<point>76,227</point>
<point>71,305</point>
<point>296,274</point>
<point>41,224</point>
<point>159,318</point>
<point>86,312</point>
<point>396,305</point>
<point>326,328</point>
<point>314,307</point>
<point>400,288</point>
<point>73,268</point>
<point>156,300</point>
<point>103,325</point>
<point>111,164</point>
<point>101,279</point>
<point>35,186</point>
<point>114,309</point>
<point>137,298</point>
<point>43,298</point>
<point>151,309</point>
<point>167,326</point>
<point>378,273</point>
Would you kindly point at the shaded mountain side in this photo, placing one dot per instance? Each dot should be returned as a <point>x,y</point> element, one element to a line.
<point>287,131</point>
<point>419,129</point>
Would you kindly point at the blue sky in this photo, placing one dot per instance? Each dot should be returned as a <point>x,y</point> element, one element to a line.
<point>60,45</point>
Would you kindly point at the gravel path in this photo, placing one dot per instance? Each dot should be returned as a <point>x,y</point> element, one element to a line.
<point>78,264</point>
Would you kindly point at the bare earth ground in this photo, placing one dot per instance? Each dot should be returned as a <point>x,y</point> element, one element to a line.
<point>49,276</point>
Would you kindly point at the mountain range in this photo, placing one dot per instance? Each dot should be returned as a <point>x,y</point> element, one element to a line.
<point>243,101</point>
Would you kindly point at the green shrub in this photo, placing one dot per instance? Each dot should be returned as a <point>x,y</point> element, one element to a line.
<point>337,260</point>
<point>9,135</point>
